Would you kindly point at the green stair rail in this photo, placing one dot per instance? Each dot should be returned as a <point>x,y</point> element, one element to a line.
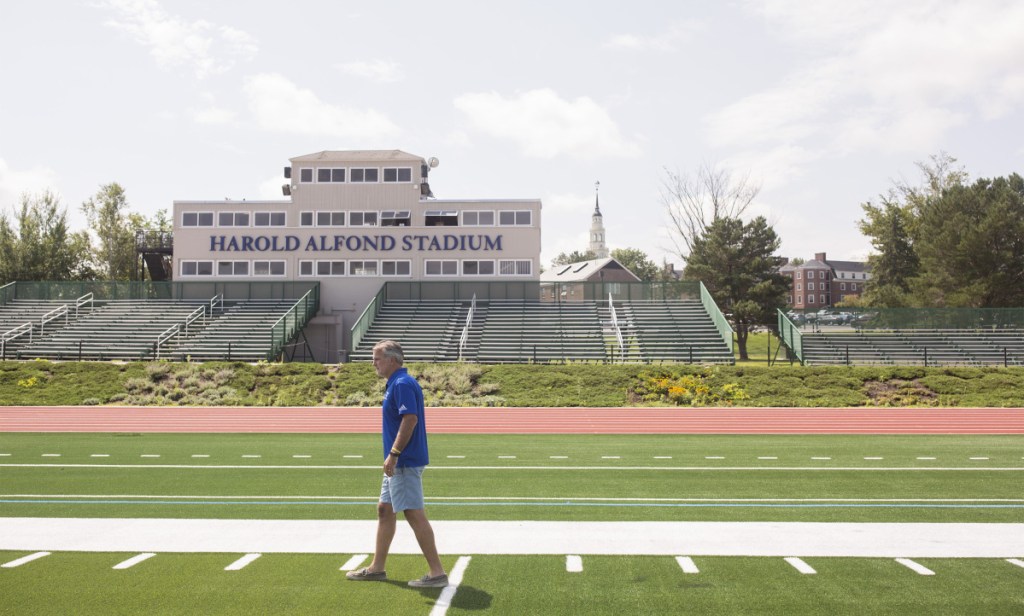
<point>721,323</point>
<point>365,320</point>
<point>292,322</point>
<point>789,333</point>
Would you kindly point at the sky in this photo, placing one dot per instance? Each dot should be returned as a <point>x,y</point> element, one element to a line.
<point>823,104</point>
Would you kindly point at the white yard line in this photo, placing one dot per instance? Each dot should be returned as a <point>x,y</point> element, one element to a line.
<point>1016,561</point>
<point>553,467</point>
<point>778,539</point>
<point>24,559</point>
<point>800,565</point>
<point>242,562</point>
<point>915,567</point>
<point>134,560</point>
<point>352,563</point>
<point>574,564</point>
<point>454,580</point>
<point>687,565</point>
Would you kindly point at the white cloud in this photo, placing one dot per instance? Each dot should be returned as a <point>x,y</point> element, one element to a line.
<point>381,71</point>
<point>279,105</point>
<point>271,188</point>
<point>211,114</point>
<point>545,125</point>
<point>206,48</point>
<point>662,41</point>
<point>14,183</point>
<point>883,76</point>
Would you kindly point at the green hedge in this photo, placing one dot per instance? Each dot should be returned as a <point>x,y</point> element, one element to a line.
<point>297,384</point>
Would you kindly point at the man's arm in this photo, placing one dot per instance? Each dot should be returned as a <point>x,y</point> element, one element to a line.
<point>401,440</point>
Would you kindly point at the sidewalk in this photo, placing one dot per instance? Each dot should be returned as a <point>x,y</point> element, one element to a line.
<point>865,540</point>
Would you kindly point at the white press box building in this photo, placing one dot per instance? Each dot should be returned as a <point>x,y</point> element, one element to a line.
<point>354,220</point>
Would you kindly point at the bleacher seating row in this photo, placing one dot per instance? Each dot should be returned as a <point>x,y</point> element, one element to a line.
<point>140,329</point>
<point>516,331</point>
<point>916,347</point>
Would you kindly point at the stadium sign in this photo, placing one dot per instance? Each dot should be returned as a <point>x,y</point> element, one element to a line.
<point>356,243</point>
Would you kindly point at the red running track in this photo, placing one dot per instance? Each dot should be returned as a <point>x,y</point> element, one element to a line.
<point>644,420</point>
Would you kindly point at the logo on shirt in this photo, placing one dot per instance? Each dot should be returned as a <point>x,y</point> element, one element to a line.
<point>402,408</point>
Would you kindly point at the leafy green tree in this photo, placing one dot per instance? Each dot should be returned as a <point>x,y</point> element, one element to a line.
<point>38,245</point>
<point>573,257</point>
<point>737,263</point>
<point>114,227</point>
<point>636,261</point>
<point>970,241</point>
<point>895,264</point>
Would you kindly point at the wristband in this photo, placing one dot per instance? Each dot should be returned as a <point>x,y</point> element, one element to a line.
<point>395,452</point>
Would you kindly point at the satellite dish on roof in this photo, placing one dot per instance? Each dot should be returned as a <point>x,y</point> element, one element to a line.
<point>433,162</point>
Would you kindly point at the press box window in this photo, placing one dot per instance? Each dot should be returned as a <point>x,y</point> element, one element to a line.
<point>440,218</point>
<point>362,219</point>
<point>442,268</point>
<point>478,268</point>
<point>233,219</point>
<point>520,218</point>
<point>396,268</point>
<point>269,219</point>
<point>268,268</point>
<point>401,174</point>
<point>197,268</point>
<point>362,268</point>
<point>364,175</point>
<point>197,219</point>
<point>515,268</point>
<point>330,219</point>
<point>330,268</point>
<point>232,268</point>
<point>478,219</point>
<point>330,175</point>
<point>305,268</point>
<point>305,175</point>
<point>306,219</point>
<point>395,219</point>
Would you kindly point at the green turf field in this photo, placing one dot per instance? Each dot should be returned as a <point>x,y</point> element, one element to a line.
<point>517,477</point>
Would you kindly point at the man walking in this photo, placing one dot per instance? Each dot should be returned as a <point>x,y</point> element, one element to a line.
<point>405,456</point>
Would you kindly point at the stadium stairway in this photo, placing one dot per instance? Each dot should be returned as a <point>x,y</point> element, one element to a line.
<point>915,347</point>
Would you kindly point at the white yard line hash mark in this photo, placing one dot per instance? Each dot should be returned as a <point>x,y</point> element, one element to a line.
<point>714,457</point>
<point>299,455</point>
<point>24,559</point>
<point>662,457</point>
<point>456,457</point>
<point>1016,561</point>
<point>559,457</point>
<point>200,455</point>
<point>979,458</point>
<point>353,457</point>
<point>150,455</point>
<point>874,458</point>
<point>241,562</point>
<point>251,455</point>
<point>134,560</point>
<point>926,458</point>
<point>768,458</point>
<point>800,565</point>
<point>506,457</point>
<point>821,458</point>
<point>915,567</point>
<point>100,455</point>
<point>353,562</point>
<point>454,579</point>
<point>687,565</point>
<point>611,457</point>
<point>573,564</point>
<point>51,455</point>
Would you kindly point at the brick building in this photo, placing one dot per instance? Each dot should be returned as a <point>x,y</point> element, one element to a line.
<point>821,283</point>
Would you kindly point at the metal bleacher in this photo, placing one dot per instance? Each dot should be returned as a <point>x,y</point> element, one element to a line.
<point>913,337</point>
<point>523,330</point>
<point>146,321</point>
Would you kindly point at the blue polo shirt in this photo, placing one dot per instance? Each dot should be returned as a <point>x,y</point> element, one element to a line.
<point>402,396</point>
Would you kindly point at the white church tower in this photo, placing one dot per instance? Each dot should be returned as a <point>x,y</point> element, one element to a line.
<point>597,245</point>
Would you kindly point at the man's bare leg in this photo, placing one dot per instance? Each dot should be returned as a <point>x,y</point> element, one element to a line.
<point>417,519</point>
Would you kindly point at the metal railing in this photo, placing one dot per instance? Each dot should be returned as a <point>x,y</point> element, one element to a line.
<point>791,336</point>
<point>7,293</point>
<point>292,322</point>
<point>465,329</point>
<point>164,337</point>
<point>191,290</point>
<point>615,327</point>
<point>721,323</point>
<point>17,332</point>
<point>81,301</point>
<point>365,320</point>
<point>53,315</point>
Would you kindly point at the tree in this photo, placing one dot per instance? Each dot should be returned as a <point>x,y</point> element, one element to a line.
<point>38,245</point>
<point>636,261</point>
<point>115,229</point>
<point>971,245</point>
<point>694,203</point>
<point>573,257</point>
<point>737,264</point>
<point>895,264</point>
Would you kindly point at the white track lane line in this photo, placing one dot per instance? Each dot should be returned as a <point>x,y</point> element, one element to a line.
<point>454,579</point>
<point>573,564</point>
<point>918,568</point>
<point>241,562</point>
<point>1015,561</point>
<point>24,559</point>
<point>687,565</point>
<point>352,563</point>
<point>134,560</point>
<point>800,565</point>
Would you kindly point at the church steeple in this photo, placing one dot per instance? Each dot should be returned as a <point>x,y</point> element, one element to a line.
<point>597,245</point>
